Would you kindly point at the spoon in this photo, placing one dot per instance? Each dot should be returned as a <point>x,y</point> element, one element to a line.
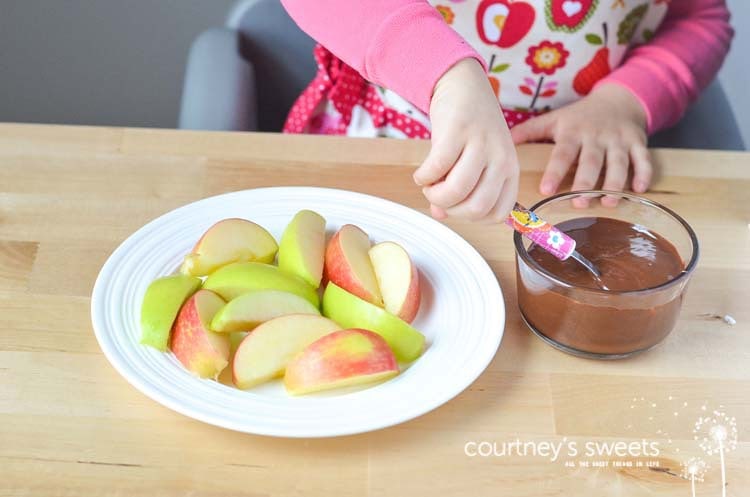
<point>549,238</point>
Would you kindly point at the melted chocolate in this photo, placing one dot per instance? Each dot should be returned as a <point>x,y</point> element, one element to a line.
<point>629,257</point>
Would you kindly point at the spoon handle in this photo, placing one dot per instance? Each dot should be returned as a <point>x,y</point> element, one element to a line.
<point>540,232</point>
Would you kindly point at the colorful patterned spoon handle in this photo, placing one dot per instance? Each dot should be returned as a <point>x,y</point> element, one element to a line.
<point>540,232</point>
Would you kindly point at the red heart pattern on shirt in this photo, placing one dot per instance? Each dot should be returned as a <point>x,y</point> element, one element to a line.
<point>568,15</point>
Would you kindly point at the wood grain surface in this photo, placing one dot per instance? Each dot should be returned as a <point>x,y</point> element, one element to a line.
<point>70,425</point>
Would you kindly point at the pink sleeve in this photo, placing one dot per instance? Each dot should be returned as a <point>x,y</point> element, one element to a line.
<point>668,73</point>
<point>403,45</point>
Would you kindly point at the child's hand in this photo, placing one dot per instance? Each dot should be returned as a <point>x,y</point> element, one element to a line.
<point>471,171</point>
<point>605,128</point>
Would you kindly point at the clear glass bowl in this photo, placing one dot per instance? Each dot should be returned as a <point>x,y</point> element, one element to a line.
<point>596,323</point>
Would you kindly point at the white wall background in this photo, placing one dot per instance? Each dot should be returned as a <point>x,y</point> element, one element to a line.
<point>121,62</point>
<point>104,62</point>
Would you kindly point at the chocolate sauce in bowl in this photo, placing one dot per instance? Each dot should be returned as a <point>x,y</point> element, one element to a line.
<point>584,319</point>
<point>629,257</point>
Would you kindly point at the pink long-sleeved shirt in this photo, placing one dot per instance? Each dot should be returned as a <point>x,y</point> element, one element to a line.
<point>406,46</point>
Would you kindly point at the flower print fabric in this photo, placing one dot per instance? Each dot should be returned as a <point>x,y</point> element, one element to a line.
<point>547,57</point>
<point>540,55</point>
<point>569,16</point>
<point>446,12</point>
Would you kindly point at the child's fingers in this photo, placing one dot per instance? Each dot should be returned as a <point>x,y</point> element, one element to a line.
<point>616,174</point>
<point>590,165</point>
<point>437,212</point>
<point>505,202</point>
<point>535,129</point>
<point>443,154</point>
<point>564,154</point>
<point>642,169</point>
<point>460,181</point>
<point>481,201</point>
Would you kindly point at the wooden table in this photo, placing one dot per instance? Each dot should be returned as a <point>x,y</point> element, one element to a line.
<point>70,425</point>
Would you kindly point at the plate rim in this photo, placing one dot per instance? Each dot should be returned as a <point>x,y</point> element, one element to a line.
<point>142,385</point>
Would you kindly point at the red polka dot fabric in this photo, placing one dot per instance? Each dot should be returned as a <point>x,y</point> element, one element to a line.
<point>515,117</point>
<point>327,105</point>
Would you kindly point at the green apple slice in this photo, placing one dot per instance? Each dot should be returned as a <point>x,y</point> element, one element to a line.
<point>251,309</point>
<point>350,311</point>
<point>239,278</point>
<point>235,339</point>
<point>161,303</point>
<point>302,247</point>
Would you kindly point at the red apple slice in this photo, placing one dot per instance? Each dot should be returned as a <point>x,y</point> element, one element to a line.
<point>348,264</point>
<point>265,352</point>
<point>342,358</point>
<point>199,349</point>
<point>228,241</point>
<point>398,279</point>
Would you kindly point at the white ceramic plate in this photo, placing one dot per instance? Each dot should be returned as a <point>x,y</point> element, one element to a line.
<point>462,315</point>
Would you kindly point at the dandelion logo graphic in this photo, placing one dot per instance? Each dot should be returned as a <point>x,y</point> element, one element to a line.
<point>694,470</point>
<point>714,432</point>
<point>717,434</point>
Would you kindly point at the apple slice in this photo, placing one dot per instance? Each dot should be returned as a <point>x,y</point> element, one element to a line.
<point>265,352</point>
<point>348,265</point>
<point>350,311</point>
<point>302,247</point>
<point>199,349</point>
<point>235,339</point>
<point>398,279</point>
<point>247,311</point>
<point>340,359</point>
<point>230,240</point>
<point>161,303</point>
<point>239,278</point>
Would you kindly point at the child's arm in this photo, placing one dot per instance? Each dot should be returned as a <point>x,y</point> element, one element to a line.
<point>650,91</point>
<point>406,46</point>
<point>669,72</point>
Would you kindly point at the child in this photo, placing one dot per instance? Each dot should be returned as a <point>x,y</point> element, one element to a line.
<point>594,76</point>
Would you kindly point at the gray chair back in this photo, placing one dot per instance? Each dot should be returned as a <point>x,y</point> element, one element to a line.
<point>709,124</point>
<point>281,54</point>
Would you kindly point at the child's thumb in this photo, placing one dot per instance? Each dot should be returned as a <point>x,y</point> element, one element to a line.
<point>438,212</point>
<point>440,160</point>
